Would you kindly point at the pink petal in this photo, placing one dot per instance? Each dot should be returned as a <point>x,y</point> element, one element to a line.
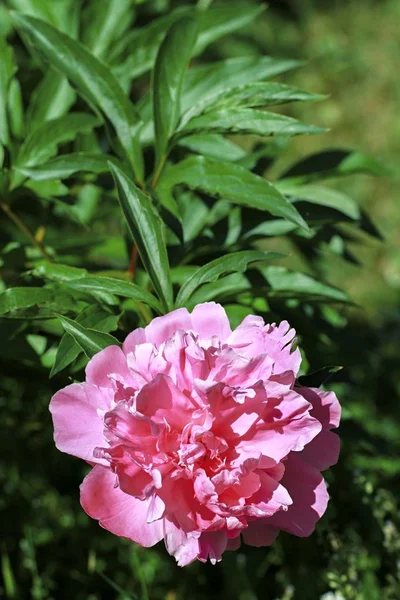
<point>136,337</point>
<point>260,533</point>
<point>108,362</point>
<point>78,428</point>
<point>212,546</point>
<point>326,407</point>
<point>210,319</point>
<point>162,328</point>
<point>307,488</point>
<point>185,549</point>
<point>117,512</point>
<point>162,400</point>
<point>323,451</point>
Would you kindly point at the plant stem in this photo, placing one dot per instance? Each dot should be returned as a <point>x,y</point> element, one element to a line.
<point>25,230</point>
<point>158,172</point>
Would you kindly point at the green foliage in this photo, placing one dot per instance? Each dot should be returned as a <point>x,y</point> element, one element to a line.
<point>140,172</point>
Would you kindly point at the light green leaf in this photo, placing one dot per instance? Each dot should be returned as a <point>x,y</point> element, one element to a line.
<point>170,67</point>
<point>16,109</point>
<point>231,182</point>
<point>146,230</point>
<point>249,95</point>
<point>246,120</point>
<point>42,143</point>
<point>52,98</point>
<point>105,24</point>
<point>57,272</point>
<point>90,340</point>
<point>322,195</point>
<point>236,262</point>
<point>294,284</point>
<point>91,317</point>
<point>93,80</point>
<point>213,145</point>
<point>118,287</point>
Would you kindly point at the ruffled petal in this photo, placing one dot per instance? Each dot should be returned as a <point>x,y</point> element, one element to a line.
<point>162,328</point>
<point>110,361</point>
<point>210,319</point>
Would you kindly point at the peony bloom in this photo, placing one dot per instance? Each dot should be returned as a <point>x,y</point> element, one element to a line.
<point>198,435</point>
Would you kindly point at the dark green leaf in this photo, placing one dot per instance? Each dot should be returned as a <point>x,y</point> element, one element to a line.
<point>320,377</point>
<point>247,120</point>
<point>42,143</point>
<point>91,317</point>
<point>236,262</point>
<point>16,109</point>
<point>105,24</point>
<point>322,195</point>
<point>209,80</point>
<point>249,95</point>
<point>6,72</point>
<point>52,98</point>
<point>57,272</point>
<point>231,182</point>
<point>169,70</point>
<point>17,299</point>
<point>93,80</point>
<point>67,165</point>
<point>146,230</point>
<point>90,340</point>
<point>118,287</point>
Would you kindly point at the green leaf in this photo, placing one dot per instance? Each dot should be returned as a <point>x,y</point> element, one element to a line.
<point>106,24</point>
<point>7,69</point>
<point>247,120</point>
<point>285,283</point>
<point>17,299</point>
<point>52,98</point>
<point>118,287</point>
<point>67,165</point>
<point>90,340</point>
<point>334,163</point>
<point>141,45</point>
<point>42,143</point>
<point>213,145</point>
<point>91,317</point>
<point>146,230</point>
<point>320,377</point>
<point>16,109</point>
<point>250,95</point>
<point>230,181</point>
<point>57,272</point>
<point>236,262</point>
<point>209,80</point>
<point>93,80</point>
<point>322,195</point>
<point>169,70</point>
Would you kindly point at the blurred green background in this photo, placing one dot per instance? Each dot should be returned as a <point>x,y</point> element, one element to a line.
<point>51,549</point>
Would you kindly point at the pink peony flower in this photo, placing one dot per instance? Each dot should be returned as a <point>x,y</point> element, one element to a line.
<point>198,435</point>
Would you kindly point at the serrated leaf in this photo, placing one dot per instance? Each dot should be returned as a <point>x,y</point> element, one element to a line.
<point>231,182</point>
<point>90,340</point>
<point>118,287</point>
<point>250,95</point>
<point>322,195</point>
<point>91,317</point>
<point>42,143</point>
<point>146,230</point>
<point>170,67</point>
<point>247,121</point>
<point>93,80</point>
<point>236,262</point>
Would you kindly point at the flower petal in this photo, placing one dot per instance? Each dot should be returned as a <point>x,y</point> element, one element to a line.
<point>210,319</point>
<point>78,427</point>
<point>162,328</point>
<point>109,361</point>
<point>117,512</point>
